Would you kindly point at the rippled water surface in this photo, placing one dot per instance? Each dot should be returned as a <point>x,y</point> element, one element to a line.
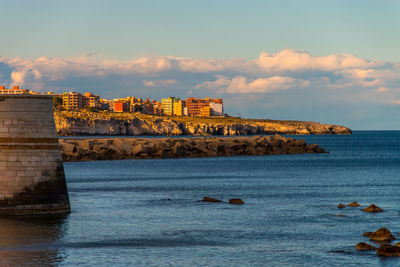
<point>147,212</point>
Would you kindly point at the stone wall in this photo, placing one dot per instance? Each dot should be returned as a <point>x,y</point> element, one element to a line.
<point>32,177</point>
<point>88,149</point>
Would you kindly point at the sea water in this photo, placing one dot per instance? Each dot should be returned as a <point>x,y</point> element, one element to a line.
<point>149,213</point>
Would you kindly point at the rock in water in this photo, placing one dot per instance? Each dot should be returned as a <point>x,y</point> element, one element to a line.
<point>373,208</point>
<point>353,204</point>
<point>388,250</point>
<point>382,235</point>
<point>341,206</point>
<point>210,199</point>
<point>365,247</point>
<point>236,201</point>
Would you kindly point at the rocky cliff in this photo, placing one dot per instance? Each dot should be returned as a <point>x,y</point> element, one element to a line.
<point>106,123</point>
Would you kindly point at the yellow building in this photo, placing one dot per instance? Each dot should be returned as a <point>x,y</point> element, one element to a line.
<point>168,105</point>
<point>178,108</point>
<point>205,111</point>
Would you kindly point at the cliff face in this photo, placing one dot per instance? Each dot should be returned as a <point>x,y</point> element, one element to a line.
<point>86,123</point>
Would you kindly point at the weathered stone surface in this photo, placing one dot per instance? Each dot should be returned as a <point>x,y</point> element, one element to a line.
<point>372,208</point>
<point>127,148</point>
<point>388,250</point>
<point>365,247</point>
<point>341,206</point>
<point>353,204</point>
<point>381,235</point>
<point>210,199</point>
<point>236,201</point>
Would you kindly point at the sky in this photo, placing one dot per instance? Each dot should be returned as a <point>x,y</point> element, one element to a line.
<point>327,61</point>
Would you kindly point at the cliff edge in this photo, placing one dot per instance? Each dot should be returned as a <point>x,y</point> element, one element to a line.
<point>132,124</point>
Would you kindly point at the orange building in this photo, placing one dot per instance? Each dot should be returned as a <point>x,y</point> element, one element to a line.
<point>195,104</point>
<point>14,91</point>
<point>121,106</point>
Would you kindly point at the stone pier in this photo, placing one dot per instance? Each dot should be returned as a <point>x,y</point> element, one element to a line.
<point>32,179</point>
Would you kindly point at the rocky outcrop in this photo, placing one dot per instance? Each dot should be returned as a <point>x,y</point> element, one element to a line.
<point>341,206</point>
<point>388,250</point>
<point>131,124</point>
<point>365,247</point>
<point>353,204</point>
<point>372,208</point>
<point>210,199</point>
<point>88,149</point>
<point>236,201</point>
<point>381,235</point>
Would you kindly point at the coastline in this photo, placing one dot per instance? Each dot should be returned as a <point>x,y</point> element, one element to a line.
<point>86,123</point>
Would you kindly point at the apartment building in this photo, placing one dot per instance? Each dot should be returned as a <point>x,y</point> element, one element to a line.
<point>168,105</point>
<point>14,91</point>
<point>72,101</point>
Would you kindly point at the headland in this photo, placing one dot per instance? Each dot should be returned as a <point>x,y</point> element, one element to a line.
<point>77,123</point>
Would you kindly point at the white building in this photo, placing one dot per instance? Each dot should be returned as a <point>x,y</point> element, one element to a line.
<point>217,109</point>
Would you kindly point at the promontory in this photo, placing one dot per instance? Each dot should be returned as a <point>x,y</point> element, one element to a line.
<point>73,123</point>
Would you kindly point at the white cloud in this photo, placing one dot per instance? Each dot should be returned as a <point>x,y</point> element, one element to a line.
<point>160,83</point>
<point>242,85</point>
<point>294,60</point>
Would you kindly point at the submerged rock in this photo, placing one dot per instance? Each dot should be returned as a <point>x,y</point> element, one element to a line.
<point>365,247</point>
<point>388,250</point>
<point>353,204</point>
<point>341,206</point>
<point>372,208</point>
<point>381,235</point>
<point>236,201</point>
<point>210,199</point>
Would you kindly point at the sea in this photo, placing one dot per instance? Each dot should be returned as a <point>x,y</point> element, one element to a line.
<point>149,212</point>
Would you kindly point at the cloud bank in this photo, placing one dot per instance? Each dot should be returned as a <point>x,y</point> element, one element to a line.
<point>271,82</point>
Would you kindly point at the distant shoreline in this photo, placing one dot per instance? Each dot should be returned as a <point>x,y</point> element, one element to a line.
<point>86,123</point>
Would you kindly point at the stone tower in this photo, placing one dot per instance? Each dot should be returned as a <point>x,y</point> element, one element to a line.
<point>32,179</point>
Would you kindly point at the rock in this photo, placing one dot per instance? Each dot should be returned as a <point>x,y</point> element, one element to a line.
<point>366,234</point>
<point>236,201</point>
<point>365,247</point>
<point>210,199</point>
<point>353,204</point>
<point>341,206</point>
<point>381,235</point>
<point>373,208</point>
<point>340,215</point>
<point>388,250</point>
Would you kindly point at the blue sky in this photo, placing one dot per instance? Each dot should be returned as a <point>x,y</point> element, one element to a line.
<point>330,61</point>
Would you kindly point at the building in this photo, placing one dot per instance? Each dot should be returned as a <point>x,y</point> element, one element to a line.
<point>178,107</point>
<point>168,105</point>
<point>72,101</point>
<point>217,107</point>
<point>195,104</point>
<point>205,111</point>
<point>14,91</point>
<point>91,100</point>
<point>121,106</point>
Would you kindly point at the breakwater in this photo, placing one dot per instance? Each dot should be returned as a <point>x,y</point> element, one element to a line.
<point>32,177</point>
<point>70,123</point>
<point>90,149</point>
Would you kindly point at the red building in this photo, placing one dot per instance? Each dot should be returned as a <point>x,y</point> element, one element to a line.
<point>121,106</point>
